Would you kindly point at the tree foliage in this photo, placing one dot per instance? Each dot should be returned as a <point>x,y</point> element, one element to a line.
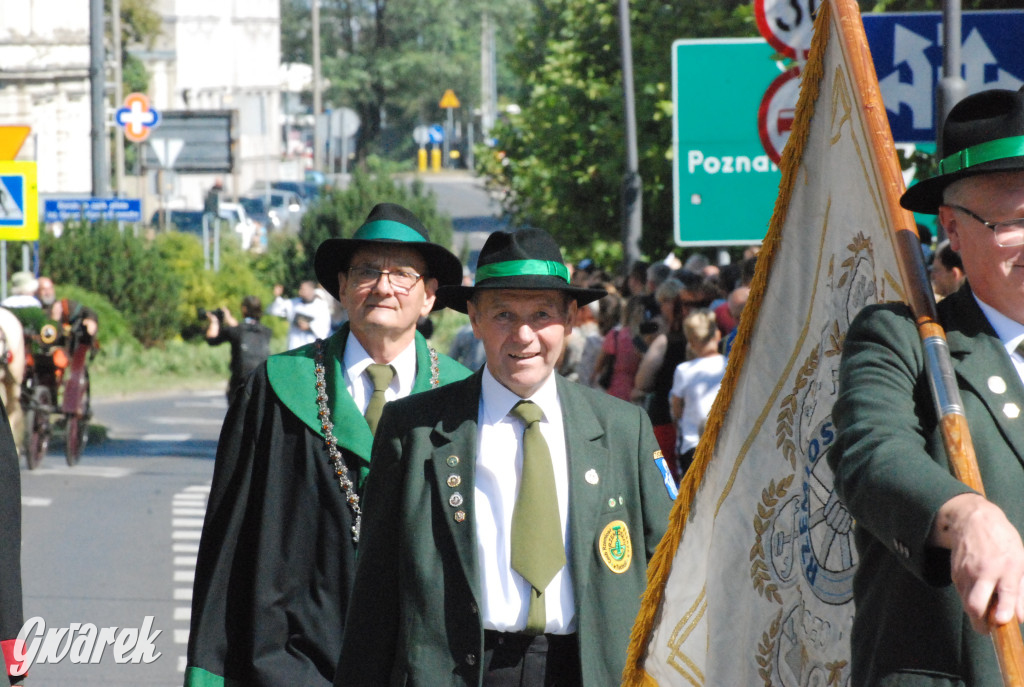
<point>341,212</point>
<point>127,271</point>
<point>391,60</point>
<point>564,154</point>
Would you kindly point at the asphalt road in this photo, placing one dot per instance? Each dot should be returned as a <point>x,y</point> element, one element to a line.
<point>113,540</point>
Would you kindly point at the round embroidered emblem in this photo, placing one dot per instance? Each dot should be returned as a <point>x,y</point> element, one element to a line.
<point>615,547</point>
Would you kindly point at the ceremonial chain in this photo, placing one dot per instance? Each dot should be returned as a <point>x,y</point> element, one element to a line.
<point>324,412</point>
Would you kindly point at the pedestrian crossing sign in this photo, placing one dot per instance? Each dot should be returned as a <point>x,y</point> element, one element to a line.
<point>19,202</point>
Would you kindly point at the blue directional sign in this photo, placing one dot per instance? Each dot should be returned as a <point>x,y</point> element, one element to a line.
<point>93,209</point>
<point>907,52</point>
<point>19,210</point>
<point>436,133</point>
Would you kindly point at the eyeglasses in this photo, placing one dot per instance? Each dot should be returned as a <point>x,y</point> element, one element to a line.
<point>1008,233</point>
<point>401,281</point>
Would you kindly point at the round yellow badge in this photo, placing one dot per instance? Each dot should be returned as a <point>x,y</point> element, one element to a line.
<point>615,547</point>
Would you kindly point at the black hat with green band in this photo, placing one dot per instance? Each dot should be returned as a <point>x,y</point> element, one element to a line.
<point>387,224</point>
<point>528,259</point>
<point>983,134</point>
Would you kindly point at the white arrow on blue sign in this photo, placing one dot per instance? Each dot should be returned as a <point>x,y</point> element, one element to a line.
<point>907,52</point>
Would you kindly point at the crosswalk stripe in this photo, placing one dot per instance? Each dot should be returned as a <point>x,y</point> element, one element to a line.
<point>185,533</point>
<point>81,471</point>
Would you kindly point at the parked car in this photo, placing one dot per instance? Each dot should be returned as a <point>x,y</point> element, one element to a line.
<point>307,191</point>
<point>289,208</point>
<point>188,221</point>
<point>248,230</point>
<point>258,208</point>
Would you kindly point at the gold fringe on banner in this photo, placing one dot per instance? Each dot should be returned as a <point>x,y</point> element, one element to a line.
<point>660,566</point>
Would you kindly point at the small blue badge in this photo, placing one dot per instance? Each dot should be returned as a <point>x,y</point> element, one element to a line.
<point>666,475</point>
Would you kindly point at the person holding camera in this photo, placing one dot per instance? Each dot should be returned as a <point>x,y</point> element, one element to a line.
<point>309,317</point>
<point>250,341</point>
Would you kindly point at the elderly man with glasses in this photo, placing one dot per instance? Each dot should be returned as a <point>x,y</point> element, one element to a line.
<point>940,564</point>
<point>278,549</point>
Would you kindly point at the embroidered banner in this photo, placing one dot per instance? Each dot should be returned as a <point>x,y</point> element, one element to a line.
<point>752,584</point>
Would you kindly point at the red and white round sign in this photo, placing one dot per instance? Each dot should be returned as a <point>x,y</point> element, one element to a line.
<point>778,107</point>
<point>787,24</point>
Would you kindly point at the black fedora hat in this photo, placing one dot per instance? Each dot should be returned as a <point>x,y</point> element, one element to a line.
<point>528,259</point>
<point>389,224</point>
<point>984,133</point>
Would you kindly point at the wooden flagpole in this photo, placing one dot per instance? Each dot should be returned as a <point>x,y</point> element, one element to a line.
<point>955,433</point>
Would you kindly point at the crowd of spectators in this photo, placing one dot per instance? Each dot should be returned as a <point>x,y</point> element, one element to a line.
<point>637,345</point>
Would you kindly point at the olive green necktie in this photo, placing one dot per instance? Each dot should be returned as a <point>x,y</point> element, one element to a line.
<point>537,549</point>
<point>381,376</point>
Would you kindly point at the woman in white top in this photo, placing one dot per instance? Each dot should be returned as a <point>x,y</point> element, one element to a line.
<point>696,383</point>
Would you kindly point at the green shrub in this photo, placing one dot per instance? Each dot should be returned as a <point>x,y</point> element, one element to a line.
<point>127,271</point>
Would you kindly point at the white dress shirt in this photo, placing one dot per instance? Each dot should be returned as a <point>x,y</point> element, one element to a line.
<point>1010,333</point>
<point>356,360</point>
<point>499,465</point>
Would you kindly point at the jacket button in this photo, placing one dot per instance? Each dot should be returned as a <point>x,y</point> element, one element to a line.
<point>470,659</point>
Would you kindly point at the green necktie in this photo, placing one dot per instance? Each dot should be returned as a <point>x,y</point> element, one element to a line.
<point>537,549</point>
<point>381,376</point>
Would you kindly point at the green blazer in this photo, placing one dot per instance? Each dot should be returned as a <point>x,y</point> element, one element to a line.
<point>891,472</point>
<point>414,615</point>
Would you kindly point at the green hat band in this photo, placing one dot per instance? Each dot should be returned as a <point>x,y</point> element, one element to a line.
<point>522,268</point>
<point>388,230</point>
<point>998,149</point>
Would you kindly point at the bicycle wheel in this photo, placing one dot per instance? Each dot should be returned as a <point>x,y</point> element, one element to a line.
<point>37,427</point>
<point>74,441</point>
<point>77,431</point>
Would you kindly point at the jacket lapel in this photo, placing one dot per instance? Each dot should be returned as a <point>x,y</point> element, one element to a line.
<point>586,453</point>
<point>291,375</point>
<point>983,366</point>
<point>453,461</point>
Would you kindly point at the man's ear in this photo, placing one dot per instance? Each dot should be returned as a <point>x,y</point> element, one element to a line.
<point>473,315</point>
<point>947,220</point>
<point>342,283</point>
<point>570,315</point>
<point>429,295</point>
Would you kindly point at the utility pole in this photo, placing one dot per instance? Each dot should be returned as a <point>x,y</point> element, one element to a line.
<point>115,29</point>
<point>952,87</point>
<point>317,106</point>
<point>98,86</point>
<point>632,187</point>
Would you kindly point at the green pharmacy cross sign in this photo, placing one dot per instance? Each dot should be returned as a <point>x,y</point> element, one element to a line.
<point>725,183</point>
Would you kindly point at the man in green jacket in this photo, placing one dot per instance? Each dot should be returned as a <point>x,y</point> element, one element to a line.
<point>510,516</point>
<point>934,555</point>
<point>278,548</point>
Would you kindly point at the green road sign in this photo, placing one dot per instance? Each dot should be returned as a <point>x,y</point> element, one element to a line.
<point>725,184</point>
